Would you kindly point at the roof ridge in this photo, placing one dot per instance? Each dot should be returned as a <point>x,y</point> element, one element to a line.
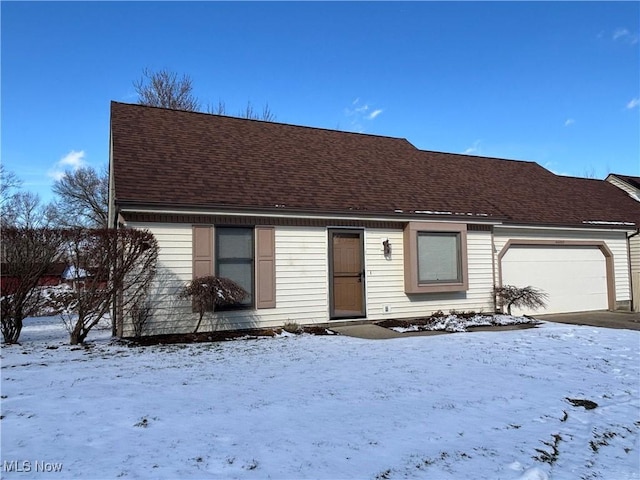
<point>271,122</point>
<point>483,157</point>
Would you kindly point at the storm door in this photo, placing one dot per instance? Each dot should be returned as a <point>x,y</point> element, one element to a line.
<point>346,273</point>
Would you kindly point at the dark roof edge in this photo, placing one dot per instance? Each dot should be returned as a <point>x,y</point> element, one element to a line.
<point>399,217</point>
<point>292,212</point>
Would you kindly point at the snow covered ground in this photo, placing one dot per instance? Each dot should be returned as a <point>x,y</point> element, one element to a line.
<point>468,405</point>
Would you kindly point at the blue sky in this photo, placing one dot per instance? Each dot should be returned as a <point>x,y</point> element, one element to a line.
<point>551,82</point>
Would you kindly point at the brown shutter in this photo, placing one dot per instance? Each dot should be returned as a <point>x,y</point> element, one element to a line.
<point>265,268</point>
<point>202,251</point>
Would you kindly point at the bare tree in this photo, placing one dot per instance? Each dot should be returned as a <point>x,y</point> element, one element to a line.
<point>83,198</point>
<point>528,297</point>
<point>24,209</point>
<point>106,264</point>
<point>209,292</point>
<point>8,182</point>
<point>219,109</point>
<point>590,172</point>
<point>164,89</point>
<point>27,254</point>
<point>248,111</point>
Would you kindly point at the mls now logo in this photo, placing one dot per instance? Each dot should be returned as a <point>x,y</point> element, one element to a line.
<point>28,466</point>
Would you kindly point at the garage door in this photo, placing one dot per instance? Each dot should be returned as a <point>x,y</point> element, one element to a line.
<point>575,278</point>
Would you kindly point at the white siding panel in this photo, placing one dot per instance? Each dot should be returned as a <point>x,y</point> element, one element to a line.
<point>634,250</point>
<point>634,254</point>
<point>301,282</point>
<point>302,295</point>
<point>385,279</point>
<point>174,271</point>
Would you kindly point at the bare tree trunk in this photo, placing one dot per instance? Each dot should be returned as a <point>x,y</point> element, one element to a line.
<point>76,334</point>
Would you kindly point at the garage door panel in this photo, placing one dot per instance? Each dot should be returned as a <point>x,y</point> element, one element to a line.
<point>575,278</point>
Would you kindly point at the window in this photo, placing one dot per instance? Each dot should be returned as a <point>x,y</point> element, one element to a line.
<point>234,258</point>
<point>438,257</point>
<point>435,257</point>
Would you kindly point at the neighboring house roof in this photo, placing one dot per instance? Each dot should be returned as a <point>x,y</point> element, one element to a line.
<point>168,158</point>
<point>55,269</point>
<point>633,181</point>
<point>73,273</point>
<point>629,184</point>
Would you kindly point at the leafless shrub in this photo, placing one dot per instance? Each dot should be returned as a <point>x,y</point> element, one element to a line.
<point>27,253</point>
<point>528,297</point>
<point>140,314</point>
<point>292,327</point>
<point>210,292</point>
<point>106,263</point>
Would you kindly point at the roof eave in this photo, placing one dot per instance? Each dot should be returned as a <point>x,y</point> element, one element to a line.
<point>278,211</point>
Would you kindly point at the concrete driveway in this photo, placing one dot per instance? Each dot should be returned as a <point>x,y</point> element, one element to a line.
<point>628,320</point>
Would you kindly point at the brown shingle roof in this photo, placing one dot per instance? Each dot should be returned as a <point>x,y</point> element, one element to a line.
<point>184,159</point>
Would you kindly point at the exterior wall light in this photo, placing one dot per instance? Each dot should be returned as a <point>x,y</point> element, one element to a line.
<point>386,247</point>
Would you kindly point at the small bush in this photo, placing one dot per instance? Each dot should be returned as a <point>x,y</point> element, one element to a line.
<point>528,297</point>
<point>210,292</point>
<point>292,327</point>
<point>140,312</point>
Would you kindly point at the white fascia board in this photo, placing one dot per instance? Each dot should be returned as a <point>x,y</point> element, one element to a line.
<point>595,228</point>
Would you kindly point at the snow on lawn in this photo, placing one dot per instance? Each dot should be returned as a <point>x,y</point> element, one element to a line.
<point>472,405</point>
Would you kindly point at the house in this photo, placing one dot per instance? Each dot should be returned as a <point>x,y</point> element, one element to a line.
<point>75,277</point>
<point>631,185</point>
<point>323,226</point>
<point>52,276</point>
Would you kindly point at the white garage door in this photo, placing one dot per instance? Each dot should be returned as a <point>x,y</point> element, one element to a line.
<point>575,278</point>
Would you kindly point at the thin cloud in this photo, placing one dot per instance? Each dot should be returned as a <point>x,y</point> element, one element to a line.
<point>71,161</point>
<point>356,108</point>
<point>619,33</point>
<point>569,121</point>
<point>633,103</point>
<point>550,166</point>
<point>474,149</point>
<point>358,112</point>
<point>624,35</point>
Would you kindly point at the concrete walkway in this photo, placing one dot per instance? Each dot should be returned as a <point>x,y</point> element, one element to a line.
<point>627,320</point>
<point>371,331</point>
